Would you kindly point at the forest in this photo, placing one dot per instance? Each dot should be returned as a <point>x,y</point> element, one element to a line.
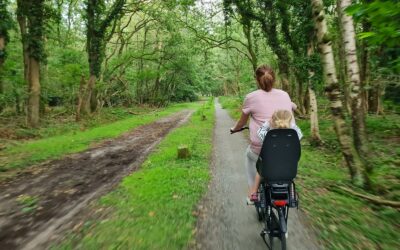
<point>74,73</point>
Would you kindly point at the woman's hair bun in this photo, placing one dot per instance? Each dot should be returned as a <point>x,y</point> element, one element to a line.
<point>265,77</point>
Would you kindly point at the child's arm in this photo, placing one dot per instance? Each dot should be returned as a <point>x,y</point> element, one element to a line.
<point>263,130</point>
<point>298,130</point>
<point>294,106</point>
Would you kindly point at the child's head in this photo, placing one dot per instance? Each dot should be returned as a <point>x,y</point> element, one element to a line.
<point>281,119</point>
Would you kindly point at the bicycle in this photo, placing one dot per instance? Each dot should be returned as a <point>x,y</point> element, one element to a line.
<point>277,165</point>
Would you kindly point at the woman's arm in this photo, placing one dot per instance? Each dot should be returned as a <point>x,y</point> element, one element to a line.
<point>241,122</point>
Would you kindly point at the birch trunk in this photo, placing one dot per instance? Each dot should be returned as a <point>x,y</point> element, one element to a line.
<point>353,74</point>
<point>315,136</point>
<point>334,94</point>
<point>312,102</point>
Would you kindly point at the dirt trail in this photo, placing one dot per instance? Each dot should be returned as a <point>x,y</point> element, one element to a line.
<point>60,190</point>
<point>226,222</point>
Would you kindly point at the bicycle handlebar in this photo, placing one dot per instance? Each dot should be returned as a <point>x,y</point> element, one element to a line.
<point>241,129</point>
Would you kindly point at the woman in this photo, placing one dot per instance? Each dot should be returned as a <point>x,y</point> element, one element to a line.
<point>259,106</point>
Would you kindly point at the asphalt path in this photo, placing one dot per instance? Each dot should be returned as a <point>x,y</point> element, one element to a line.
<point>225,221</point>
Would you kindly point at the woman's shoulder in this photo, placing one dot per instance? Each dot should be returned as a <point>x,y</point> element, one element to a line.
<point>253,93</point>
<point>280,91</point>
<point>259,93</point>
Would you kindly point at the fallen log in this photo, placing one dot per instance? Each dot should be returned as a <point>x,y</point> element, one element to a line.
<point>371,198</point>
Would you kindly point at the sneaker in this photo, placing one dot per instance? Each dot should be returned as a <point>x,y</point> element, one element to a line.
<point>254,197</point>
<point>248,201</point>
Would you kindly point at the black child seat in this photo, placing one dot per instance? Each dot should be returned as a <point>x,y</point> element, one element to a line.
<point>277,164</point>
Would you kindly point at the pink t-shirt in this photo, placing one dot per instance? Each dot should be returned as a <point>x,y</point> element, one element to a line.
<point>261,105</point>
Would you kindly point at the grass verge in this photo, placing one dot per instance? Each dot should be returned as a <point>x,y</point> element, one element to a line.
<point>154,208</point>
<point>28,153</point>
<point>344,221</point>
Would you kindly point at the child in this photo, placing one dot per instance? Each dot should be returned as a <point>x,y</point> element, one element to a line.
<point>280,119</point>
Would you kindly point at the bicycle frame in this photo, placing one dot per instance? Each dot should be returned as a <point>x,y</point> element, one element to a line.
<point>273,209</point>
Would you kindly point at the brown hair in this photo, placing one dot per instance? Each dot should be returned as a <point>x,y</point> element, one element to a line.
<point>281,119</point>
<point>265,77</point>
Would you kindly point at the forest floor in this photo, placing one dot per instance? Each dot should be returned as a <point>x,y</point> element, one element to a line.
<point>41,201</point>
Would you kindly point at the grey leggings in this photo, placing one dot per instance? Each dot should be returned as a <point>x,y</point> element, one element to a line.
<point>250,162</point>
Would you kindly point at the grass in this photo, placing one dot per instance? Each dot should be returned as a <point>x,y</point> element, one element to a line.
<point>60,120</point>
<point>28,153</point>
<point>28,203</point>
<point>155,207</point>
<point>343,221</point>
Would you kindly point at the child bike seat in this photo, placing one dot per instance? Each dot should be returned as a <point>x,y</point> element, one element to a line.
<point>279,156</point>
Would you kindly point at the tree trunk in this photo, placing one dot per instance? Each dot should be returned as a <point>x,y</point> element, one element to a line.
<point>313,105</point>
<point>332,88</point>
<point>250,49</point>
<point>270,33</point>
<point>306,100</point>
<point>22,26</point>
<point>2,59</point>
<point>364,73</point>
<point>353,74</point>
<point>86,100</point>
<point>315,136</point>
<point>374,97</point>
<point>34,93</point>
<point>81,95</point>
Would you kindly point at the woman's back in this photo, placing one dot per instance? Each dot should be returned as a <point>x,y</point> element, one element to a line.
<point>261,105</point>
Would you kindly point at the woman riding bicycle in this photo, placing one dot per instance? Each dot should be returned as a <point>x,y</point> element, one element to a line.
<point>259,106</point>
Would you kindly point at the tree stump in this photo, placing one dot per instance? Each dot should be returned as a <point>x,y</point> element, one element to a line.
<point>183,152</point>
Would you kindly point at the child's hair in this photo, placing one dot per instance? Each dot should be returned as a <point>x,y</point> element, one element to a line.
<point>281,119</point>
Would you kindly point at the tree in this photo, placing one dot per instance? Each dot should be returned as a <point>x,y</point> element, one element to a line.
<point>334,94</point>
<point>98,21</point>
<point>264,12</point>
<point>381,48</point>
<point>353,74</point>
<point>5,25</point>
<point>32,14</point>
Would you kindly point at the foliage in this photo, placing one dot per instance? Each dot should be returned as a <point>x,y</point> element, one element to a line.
<point>98,20</point>
<point>383,16</point>
<point>5,25</point>
<point>154,207</point>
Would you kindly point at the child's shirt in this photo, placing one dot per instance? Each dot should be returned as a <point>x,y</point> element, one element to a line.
<point>263,130</point>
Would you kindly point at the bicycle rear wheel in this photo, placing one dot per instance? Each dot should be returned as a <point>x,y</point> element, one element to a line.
<point>276,225</point>
<point>283,242</point>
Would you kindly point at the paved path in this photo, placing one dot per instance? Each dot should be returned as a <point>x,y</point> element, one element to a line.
<point>226,222</point>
